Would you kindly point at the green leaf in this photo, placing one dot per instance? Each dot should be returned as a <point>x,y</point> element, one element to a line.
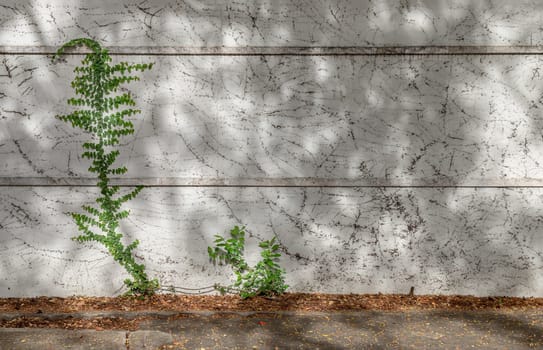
<point>266,278</point>
<point>95,84</point>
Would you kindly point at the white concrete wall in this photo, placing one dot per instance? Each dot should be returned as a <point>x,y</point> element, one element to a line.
<point>376,172</point>
<point>196,23</point>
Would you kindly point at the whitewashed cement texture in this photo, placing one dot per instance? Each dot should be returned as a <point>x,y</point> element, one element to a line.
<point>446,120</point>
<point>440,120</point>
<point>443,241</point>
<point>196,23</point>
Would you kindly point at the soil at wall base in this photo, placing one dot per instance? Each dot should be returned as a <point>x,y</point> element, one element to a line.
<point>30,309</point>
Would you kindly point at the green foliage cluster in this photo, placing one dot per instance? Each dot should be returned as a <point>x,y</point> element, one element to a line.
<point>265,278</point>
<point>97,88</point>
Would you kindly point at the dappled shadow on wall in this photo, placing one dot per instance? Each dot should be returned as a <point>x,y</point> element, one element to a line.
<point>353,121</point>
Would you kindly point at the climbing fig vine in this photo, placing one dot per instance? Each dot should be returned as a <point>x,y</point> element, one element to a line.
<point>100,114</point>
<point>265,278</point>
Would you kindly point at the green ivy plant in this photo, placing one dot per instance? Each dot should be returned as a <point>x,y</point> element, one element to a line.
<point>265,278</point>
<point>96,85</point>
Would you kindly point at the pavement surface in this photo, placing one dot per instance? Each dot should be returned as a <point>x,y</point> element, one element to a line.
<point>293,330</point>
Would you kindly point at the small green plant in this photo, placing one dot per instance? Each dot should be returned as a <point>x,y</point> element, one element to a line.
<point>96,85</point>
<point>266,278</point>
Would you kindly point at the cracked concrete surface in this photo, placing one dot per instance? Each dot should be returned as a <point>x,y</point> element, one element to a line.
<point>356,330</point>
<point>376,173</point>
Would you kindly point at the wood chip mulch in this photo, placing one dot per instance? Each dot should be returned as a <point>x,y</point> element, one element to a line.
<point>29,310</point>
<point>97,323</point>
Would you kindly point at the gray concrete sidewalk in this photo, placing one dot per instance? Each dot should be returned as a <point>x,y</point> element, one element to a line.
<point>287,330</point>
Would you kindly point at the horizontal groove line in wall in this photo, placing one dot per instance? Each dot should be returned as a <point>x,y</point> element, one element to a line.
<point>286,50</point>
<point>267,182</point>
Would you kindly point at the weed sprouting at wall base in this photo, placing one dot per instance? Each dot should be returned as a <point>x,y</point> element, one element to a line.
<point>265,278</point>
<point>97,88</point>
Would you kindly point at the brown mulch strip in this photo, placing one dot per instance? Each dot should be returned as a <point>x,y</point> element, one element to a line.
<point>98,323</point>
<point>286,302</point>
<point>29,310</point>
